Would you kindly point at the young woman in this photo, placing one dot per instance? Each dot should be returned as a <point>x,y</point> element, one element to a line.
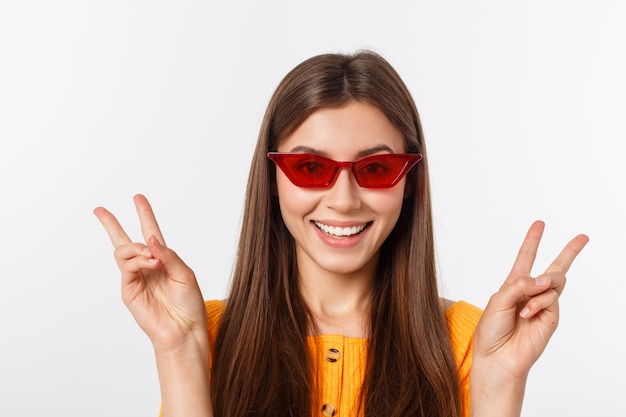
<point>334,308</point>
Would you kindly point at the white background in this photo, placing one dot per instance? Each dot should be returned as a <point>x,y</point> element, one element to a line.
<point>523,108</point>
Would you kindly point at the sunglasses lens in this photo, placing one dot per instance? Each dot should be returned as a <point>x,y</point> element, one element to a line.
<point>382,171</point>
<point>306,170</point>
<point>377,171</point>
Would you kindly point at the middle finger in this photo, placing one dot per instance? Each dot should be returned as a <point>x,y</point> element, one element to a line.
<point>149,225</point>
<point>528,251</point>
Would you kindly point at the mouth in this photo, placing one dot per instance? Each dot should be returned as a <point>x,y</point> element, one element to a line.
<point>337,231</point>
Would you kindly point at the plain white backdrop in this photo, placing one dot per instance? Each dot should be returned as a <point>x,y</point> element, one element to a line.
<point>523,107</point>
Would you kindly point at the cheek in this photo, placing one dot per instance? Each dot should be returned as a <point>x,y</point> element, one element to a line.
<point>295,202</point>
<point>386,202</point>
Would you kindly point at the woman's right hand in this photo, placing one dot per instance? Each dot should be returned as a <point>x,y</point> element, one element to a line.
<point>158,288</point>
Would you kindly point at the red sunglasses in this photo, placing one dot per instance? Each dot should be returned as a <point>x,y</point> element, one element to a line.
<point>314,171</point>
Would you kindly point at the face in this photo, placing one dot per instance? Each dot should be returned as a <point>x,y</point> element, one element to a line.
<point>341,229</point>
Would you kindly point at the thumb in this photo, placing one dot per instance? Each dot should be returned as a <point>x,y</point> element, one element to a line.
<point>511,293</point>
<point>173,265</point>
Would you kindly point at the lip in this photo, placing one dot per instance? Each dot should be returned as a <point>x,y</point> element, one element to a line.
<point>342,242</point>
<point>339,223</point>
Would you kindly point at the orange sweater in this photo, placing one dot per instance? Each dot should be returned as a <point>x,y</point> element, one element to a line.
<point>341,360</point>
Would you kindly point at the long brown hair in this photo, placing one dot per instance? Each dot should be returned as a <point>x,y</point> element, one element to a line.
<point>260,365</point>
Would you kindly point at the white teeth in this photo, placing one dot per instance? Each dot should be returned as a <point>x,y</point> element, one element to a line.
<point>340,231</point>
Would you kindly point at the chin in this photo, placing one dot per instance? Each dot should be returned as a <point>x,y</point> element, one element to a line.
<point>341,267</point>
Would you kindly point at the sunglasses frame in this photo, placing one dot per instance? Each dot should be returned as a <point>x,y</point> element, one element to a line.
<point>410,160</point>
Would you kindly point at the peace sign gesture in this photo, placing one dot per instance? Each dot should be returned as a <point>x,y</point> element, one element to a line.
<point>158,288</point>
<point>522,316</point>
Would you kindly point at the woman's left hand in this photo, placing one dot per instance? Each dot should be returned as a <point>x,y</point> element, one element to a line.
<point>520,318</point>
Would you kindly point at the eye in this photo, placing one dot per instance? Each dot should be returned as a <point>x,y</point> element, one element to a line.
<point>310,167</point>
<point>374,168</point>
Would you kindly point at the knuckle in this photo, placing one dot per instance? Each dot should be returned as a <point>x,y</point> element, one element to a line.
<point>553,296</point>
<point>495,298</point>
<point>127,250</point>
<point>117,252</point>
<point>519,283</point>
<point>169,253</point>
<point>546,300</point>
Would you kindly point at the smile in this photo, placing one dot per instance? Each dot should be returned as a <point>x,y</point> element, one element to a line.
<point>340,231</point>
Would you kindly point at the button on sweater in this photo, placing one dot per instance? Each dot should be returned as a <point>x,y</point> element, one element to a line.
<point>341,360</point>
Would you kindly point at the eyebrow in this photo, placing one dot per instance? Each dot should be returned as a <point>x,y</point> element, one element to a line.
<point>360,154</point>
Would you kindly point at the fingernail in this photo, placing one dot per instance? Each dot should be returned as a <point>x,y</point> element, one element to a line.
<point>541,280</point>
<point>525,312</point>
<point>146,251</point>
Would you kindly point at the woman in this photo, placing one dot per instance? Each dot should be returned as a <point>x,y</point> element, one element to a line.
<point>337,254</point>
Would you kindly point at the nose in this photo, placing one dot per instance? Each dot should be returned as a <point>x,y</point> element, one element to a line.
<point>343,196</point>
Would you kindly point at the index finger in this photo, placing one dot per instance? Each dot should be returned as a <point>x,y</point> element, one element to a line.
<point>149,225</point>
<point>563,262</point>
<point>528,251</point>
<point>115,231</point>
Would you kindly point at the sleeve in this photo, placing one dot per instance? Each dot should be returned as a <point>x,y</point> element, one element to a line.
<point>214,312</point>
<point>462,319</point>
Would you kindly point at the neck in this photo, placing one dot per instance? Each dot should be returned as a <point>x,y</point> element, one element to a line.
<point>339,302</point>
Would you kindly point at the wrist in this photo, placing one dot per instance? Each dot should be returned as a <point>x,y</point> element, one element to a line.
<point>495,391</point>
<point>191,342</point>
<point>184,378</point>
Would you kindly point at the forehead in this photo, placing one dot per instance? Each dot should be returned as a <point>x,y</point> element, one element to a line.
<point>345,131</point>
